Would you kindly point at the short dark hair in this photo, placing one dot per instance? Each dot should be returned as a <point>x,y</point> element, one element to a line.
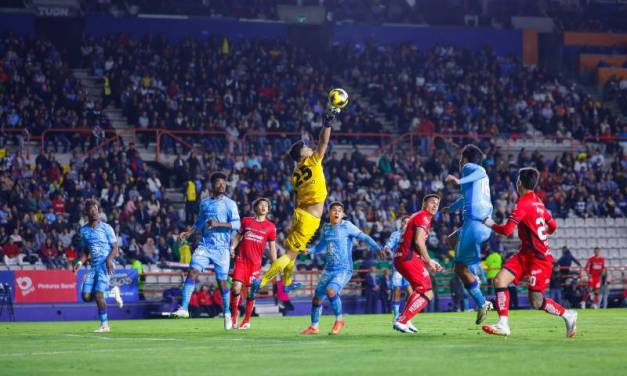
<point>217,175</point>
<point>404,217</point>
<point>529,177</point>
<point>89,204</point>
<point>430,195</point>
<point>473,154</point>
<point>295,150</point>
<point>336,203</point>
<point>260,199</point>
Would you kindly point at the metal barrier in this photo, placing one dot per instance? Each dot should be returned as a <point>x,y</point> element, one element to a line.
<point>310,278</point>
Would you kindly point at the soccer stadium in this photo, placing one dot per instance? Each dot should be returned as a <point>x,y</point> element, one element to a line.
<point>313,187</point>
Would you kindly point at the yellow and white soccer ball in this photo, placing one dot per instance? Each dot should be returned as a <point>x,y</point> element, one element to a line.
<point>338,98</point>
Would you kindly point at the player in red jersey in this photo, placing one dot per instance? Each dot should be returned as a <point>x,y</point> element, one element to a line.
<point>252,238</point>
<point>595,267</point>
<point>412,261</point>
<point>533,260</point>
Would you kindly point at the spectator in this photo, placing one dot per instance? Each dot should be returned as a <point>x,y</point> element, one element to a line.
<point>11,253</point>
<point>372,290</point>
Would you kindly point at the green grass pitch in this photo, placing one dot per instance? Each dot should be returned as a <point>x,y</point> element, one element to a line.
<point>447,344</point>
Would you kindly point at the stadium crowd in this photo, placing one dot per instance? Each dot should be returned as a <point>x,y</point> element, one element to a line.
<point>39,92</point>
<point>260,86</point>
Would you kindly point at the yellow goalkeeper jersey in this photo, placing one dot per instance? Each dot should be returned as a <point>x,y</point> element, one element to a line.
<point>308,181</point>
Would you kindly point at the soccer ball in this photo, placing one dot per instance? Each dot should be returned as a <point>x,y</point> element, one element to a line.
<point>338,98</point>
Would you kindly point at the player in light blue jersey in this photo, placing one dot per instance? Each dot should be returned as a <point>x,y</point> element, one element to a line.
<point>217,220</point>
<point>336,240</point>
<point>398,282</point>
<point>475,204</point>
<point>98,243</point>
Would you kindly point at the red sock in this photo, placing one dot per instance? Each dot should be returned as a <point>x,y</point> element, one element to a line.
<point>586,295</point>
<point>550,306</point>
<point>234,307</point>
<point>250,305</point>
<point>596,299</point>
<point>415,303</point>
<point>502,301</point>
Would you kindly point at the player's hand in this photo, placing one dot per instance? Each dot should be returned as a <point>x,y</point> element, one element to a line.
<point>488,221</point>
<point>232,252</point>
<point>434,266</point>
<point>305,251</point>
<point>184,235</point>
<point>110,265</point>
<point>77,266</point>
<point>451,179</point>
<point>382,254</point>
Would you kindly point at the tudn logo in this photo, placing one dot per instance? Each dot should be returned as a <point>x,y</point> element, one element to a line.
<point>25,284</point>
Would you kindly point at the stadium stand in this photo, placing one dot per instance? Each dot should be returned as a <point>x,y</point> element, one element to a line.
<point>533,118</point>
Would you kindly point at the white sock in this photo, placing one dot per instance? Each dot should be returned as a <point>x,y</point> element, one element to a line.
<point>315,325</point>
<point>338,318</point>
<point>503,320</point>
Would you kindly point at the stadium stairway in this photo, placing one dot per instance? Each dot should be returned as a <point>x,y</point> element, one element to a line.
<point>581,236</point>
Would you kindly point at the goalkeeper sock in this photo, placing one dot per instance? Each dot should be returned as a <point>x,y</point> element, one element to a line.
<point>275,269</point>
<point>475,292</point>
<point>336,304</point>
<point>188,289</point>
<point>288,273</point>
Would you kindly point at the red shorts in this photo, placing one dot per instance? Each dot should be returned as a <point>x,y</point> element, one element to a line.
<point>415,272</point>
<point>594,282</point>
<point>245,272</point>
<point>527,265</point>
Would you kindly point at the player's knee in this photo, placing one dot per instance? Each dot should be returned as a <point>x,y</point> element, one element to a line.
<point>536,299</point>
<point>291,254</point>
<point>500,282</point>
<point>193,273</point>
<point>316,300</point>
<point>87,297</point>
<point>331,293</point>
<point>236,289</point>
<point>428,294</point>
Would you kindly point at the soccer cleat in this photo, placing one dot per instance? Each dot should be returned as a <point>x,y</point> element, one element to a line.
<point>497,329</point>
<point>403,328</point>
<point>228,321</point>
<point>254,288</point>
<point>293,286</point>
<point>482,313</point>
<point>117,296</point>
<point>244,326</point>
<point>104,328</point>
<point>570,317</point>
<point>309,331</point>
<point>180,313</point>
<point>337,328</point>
<point>582,305</point>
<point>411,327</point>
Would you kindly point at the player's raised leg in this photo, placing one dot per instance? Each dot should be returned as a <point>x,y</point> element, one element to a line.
<point>468,263</point>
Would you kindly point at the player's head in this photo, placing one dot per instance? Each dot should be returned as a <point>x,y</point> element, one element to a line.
<point>431,203</point>
<point>92,210</point>
<point>261,206</point>
<point>404,220</point>
<point>336,212</point>
<point>597,251</point>
<point>471,154</point>
<point>527,179</point>
<point>218,183</point>
<point>299,151</point>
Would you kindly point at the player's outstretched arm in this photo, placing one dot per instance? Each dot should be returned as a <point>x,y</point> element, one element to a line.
<point>370,241</point>
<point>507,229</point>
<point>323,141</point>
<point>273,252</point>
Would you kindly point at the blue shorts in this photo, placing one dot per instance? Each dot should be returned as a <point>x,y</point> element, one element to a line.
<point>203,257</point>
<point>97,279</point>
<point>398,281</point>
<point>333,280</point>
<point>471,236</point>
